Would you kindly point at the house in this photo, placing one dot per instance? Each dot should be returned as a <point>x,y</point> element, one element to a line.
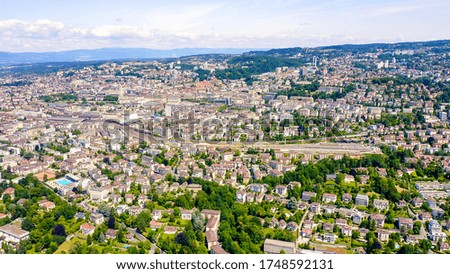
<point>241,196</point>
<point>259,198</point>
<point>80,215</point>
<point>21,201</point>
<point>87,229</point>
<point>357,217</point>
<point>329,238</point>
<point>329,209</point>
<point>9,191</point>
<point>156,214</point>
<point>329,198</point>
<point>327,226</point>
<point>111,234</point>
<point>212,224</point>
<point>434,226</point>
<point>257,188</point>
<point>217,249</point>
<point>211,239</point>
<point>340,222</point>
<point>363,232</point>
<point>347,197</point>
<point>308,224</point>
<point>346,230</point>
<point>379,219</point>
<point>417,202</point>
<point>381,204</point>
<point>405,223</point>
<point>425,216</point>
<point>116,198</point>
<point>307,195</point>
<point>402,204</point>
<point>362,200</point>
<point>227,156</point>
<point>47,205</point>
<point>120,209</point>
<point>383,235</point>
<point>145,189</point>
<point>431,203</point>
<point>170,229</point>
<point>292,226</point>
<point>315,208</point>
<point>154,225</point>
<point>349,178</point>
<point>412,239</point>
<point>282,224</point>
<point>438,213</point>
<point>276,246</point>
<point>194,188</point>
<point>281,190</point>
<point>97,218</point>
<point>98,194</point>
<point>13,233</point>
<point>209,213</point>
<point>186,214</point>
<point>129,198</point>
<point>250,198</point>
<point>438,236</point>
<point>273,223</point>
<point>443,246</point>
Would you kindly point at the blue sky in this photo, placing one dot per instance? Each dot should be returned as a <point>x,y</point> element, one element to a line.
<point>54,25</point>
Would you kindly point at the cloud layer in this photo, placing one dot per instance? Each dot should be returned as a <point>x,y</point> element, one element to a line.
<point>218,23</point>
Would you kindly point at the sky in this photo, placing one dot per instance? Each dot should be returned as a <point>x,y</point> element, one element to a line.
<point>57,25</point>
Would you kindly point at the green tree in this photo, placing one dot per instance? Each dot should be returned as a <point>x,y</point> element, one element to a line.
<point>143,220</point>
<point>59,230</point>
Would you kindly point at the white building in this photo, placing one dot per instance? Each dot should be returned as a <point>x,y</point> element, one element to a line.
<point>13,234</point>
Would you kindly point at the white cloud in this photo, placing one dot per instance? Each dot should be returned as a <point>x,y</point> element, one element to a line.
<point>46,35</point>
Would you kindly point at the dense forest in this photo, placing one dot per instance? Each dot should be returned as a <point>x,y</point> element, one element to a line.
<point>244,67</point>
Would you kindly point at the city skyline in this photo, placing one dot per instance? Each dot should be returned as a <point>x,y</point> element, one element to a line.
<point>27,26</point>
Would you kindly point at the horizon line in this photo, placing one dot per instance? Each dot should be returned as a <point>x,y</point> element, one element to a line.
<point>237,48</point>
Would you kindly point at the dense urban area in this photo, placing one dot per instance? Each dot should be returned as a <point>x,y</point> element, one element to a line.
<point>339,149</point>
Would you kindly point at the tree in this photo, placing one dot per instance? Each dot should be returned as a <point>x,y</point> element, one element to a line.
<point>181,239</point>
<point>111,222</point>
<point>89,240</point>
<point>27,224</point>
<point>339,178</point>
<point>406,249</point>
<point>355,234</point>
<point>105,210</point>
<point>28,155</point>
<point>143,220</point>
<point>102,238</point>
<point>198,222</point>
<point>59,230</point>
<point>121,235</point>
<point>292,204</point>
<point>416,227</point>
<point>425,245</point>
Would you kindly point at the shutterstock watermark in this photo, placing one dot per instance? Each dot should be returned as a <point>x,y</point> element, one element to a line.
<point>213,129</point>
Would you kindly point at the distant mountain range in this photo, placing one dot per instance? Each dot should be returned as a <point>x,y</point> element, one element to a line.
<point>11,58</point>
<point>107,54</point>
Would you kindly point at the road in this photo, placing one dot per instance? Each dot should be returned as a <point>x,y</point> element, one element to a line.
<point>423,233</point>
<point>299,239</point>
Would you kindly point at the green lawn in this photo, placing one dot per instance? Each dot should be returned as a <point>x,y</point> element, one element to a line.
<point>67,245</point>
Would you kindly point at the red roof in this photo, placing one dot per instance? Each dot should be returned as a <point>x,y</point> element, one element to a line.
<point>87,226</point>
<point>9,191</point>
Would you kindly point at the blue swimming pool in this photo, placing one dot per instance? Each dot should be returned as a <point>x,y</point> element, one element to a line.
<point>64,181</point>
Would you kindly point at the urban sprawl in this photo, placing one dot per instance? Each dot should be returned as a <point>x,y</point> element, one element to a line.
<point>305,150</point>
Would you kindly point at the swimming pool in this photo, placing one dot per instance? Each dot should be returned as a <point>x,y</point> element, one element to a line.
<point>64,181</point>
